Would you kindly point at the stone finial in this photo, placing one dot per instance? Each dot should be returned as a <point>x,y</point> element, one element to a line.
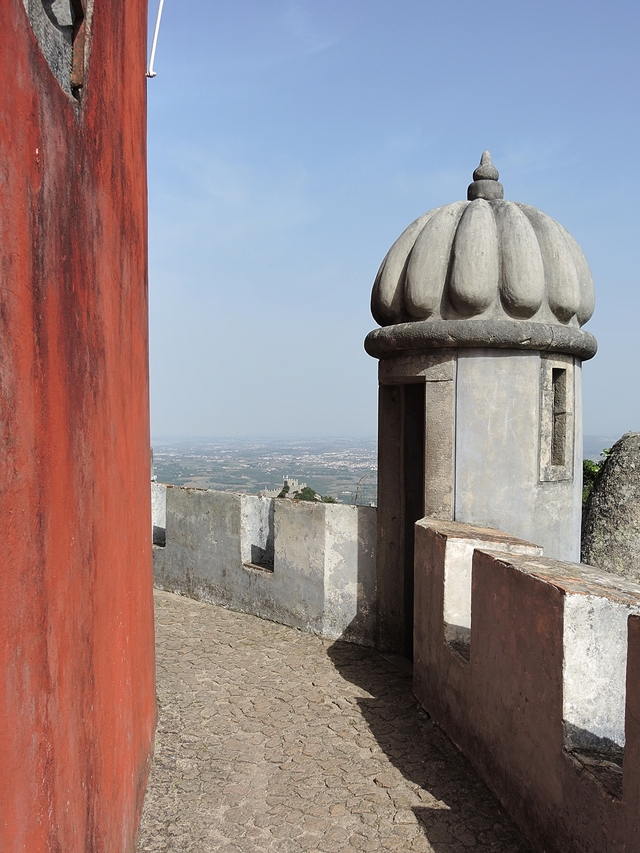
<point>485,181</point>
<point>486,171</point>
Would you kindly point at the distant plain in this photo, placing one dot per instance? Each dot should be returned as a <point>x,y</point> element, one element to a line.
<point>342,468</point>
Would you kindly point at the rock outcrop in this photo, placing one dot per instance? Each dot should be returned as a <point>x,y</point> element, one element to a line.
<point>611,523</point>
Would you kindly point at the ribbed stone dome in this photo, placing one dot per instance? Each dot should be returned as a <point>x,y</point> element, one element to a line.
<point>485,259</point>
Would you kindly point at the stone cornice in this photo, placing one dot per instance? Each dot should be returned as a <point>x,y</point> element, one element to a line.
<point>469,333</point>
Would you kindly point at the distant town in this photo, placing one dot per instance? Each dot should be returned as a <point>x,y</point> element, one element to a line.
<point>341,468</point>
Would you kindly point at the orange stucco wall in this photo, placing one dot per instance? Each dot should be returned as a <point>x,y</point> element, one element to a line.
<point>77,699</point>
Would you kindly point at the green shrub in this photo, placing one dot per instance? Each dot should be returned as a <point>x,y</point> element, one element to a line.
<point>590,471</point>
<point>309,494</point>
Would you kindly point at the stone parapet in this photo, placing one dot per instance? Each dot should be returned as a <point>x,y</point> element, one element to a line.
<point>538,685</point>
<point>308,565</point>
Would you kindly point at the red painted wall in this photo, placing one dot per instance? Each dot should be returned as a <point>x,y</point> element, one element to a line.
<point>77,700</point>
<point>503,707</point>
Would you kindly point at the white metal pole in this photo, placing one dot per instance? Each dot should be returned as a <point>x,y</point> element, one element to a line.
<point>150,71</point>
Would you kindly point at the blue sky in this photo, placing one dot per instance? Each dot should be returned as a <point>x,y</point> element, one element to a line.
<point>290,143</point>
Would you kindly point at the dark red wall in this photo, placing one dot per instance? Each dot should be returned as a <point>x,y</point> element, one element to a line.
<point>77,706</point>
<point>503,706</point>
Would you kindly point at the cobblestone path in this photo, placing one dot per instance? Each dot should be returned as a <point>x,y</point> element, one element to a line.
<point>271,739</point>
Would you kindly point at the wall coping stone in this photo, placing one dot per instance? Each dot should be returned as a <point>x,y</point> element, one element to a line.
<point>498,334</point>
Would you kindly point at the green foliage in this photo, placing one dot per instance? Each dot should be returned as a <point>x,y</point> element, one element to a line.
<point>590,471</point>
<point>306,493</point>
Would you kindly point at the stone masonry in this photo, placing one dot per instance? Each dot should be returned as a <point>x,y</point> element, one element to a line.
<point>273,739</point>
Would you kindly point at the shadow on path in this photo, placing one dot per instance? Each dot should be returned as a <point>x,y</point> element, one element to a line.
<point>446,787</point>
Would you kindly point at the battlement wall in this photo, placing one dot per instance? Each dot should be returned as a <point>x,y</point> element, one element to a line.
<point>308,565</point>
<point>531,666</point>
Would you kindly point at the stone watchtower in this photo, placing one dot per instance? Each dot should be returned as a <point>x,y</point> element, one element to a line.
<point>480,413</point>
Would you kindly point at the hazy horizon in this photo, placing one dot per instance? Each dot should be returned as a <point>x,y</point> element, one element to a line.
<point>592,444</point>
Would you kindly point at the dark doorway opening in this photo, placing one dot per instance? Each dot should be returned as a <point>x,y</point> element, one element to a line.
<point>413,479</point>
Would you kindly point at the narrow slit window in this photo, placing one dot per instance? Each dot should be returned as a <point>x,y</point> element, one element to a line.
<point>559,416</point>
<point>557,401</point>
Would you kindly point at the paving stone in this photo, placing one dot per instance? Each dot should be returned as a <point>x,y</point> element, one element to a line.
<point>270,739</point>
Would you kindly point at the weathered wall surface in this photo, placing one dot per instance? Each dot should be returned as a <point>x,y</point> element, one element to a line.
<point>611,528</point>
<point>543,700</point>
<point>499,432</point>
<point>76,633</point>
<point>323,574</point>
